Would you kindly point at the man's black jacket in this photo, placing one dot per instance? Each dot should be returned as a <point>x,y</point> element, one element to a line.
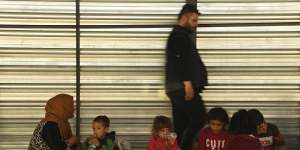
<point>183,63</point>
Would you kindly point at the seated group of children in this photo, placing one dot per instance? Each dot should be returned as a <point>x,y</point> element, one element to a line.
<point>247,130</point>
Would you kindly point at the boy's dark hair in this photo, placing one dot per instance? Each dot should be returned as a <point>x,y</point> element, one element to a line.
<point>188,8</point>
<point>241,123</point>
<point>104,120</point>
<point>219,114</point>
<point>161,122</point>
<point>256,116</point>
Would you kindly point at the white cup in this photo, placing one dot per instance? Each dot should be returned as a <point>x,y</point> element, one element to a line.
<point>173,135</point>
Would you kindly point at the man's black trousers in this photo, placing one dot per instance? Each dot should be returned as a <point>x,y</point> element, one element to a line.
<point>188,117</point>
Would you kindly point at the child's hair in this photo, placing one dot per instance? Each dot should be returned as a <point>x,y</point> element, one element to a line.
<point>256,116</point>
<point>104,120</point>
<point>241,123</point>
<point>161,122</point>
<point>219,114</point>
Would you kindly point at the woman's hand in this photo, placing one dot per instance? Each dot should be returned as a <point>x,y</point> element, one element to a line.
<point>72,141</point>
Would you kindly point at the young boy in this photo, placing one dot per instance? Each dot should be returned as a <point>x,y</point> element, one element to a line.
<point>267,133</point>
<point>215,136</point>
<point>102,139</point>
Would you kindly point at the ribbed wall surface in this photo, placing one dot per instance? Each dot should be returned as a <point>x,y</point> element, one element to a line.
<point>252,53</point>
<point>36,63</point>
<point>251,50</point>
<point>122,67</point>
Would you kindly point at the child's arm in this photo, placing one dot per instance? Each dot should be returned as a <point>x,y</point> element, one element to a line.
<point>174,146</point>
<point>85,146</point>
<point>172,143</point>
<point>151,144</point>
<point>282,147</point>
<point>90,141</point>
<point>94,141</point>
<point>109,145</point>
<point>123,143</point>
<point>279,140</point>
<point>87,143</point>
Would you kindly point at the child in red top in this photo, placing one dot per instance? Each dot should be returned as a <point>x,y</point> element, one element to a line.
<point>267,133</point>
<point>215,136</point>
<point>162,138</point>
<point>242,130</point>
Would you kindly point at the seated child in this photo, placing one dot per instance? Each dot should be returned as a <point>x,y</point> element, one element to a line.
<point>162,138</point>
<point>215,136</point>
<point>242,131</point>
<point>102,139</point>
<point>267,133</point>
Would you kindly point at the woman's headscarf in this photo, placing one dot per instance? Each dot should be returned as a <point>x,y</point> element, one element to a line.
<point>59,109</point>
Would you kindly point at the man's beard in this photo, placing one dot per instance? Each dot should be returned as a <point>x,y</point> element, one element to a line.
<point>193,29</point>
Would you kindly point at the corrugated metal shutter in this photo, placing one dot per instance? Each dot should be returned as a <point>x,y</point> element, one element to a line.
<point>36,62</point>
<point>252,53</point>
<point>122,64</point>
<point>250,65</point>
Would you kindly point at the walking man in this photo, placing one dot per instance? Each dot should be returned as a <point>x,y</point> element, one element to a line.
<point>186,77</point>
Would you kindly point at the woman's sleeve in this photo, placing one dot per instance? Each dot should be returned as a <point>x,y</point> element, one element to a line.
<point>52,136</point>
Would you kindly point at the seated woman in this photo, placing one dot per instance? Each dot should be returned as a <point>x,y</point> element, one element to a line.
<point>54,132</point>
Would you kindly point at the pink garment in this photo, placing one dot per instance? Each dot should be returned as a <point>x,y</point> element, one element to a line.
<point>157,143</point>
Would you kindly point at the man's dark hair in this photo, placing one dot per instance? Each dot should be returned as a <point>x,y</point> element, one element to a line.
<point>256,116</point>
<point>219,114</point>
<point>241,123</point>
<point>188,8</point>
<point>103,120</point>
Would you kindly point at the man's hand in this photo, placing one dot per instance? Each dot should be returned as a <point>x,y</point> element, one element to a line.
<point>189,91</point>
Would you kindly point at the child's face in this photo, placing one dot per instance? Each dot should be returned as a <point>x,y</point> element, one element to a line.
<point>99,130</point>
<point>262,128</point>
<point>216,126</point>
<point>164,132</point>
